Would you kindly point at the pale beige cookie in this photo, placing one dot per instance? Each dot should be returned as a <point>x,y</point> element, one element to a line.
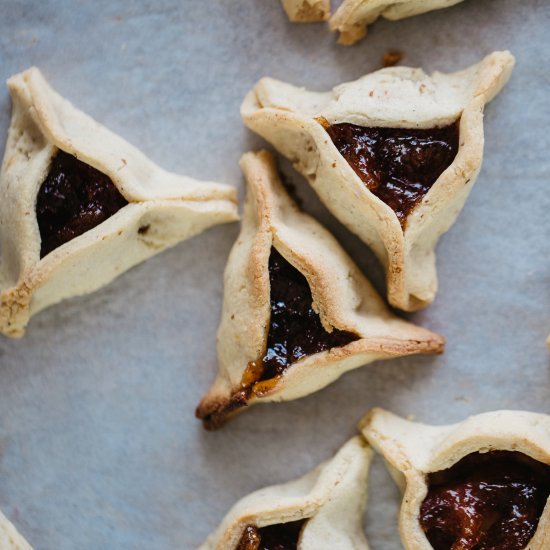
<point>417,453</point>
<point>327,505</point>
<point>161,208</point>
<point>297,122</point>
<point>354,326</point>
<point>10,539</point>
<point>307,11</point>
<point>353,16</point>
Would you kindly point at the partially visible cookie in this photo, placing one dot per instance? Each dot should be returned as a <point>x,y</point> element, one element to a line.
<point>352,18</point>
<point>307,11</point>
<point>322,510</point>
<point>481,483</point>
<point>10,539</point>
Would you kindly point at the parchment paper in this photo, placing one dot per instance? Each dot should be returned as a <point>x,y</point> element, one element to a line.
<point>99,448</point>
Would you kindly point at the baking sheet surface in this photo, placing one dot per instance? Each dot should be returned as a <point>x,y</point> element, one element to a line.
<point>99,448</point>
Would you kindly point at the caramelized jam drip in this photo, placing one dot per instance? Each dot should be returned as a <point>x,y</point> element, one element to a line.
<point>282,536</point>
<point>73,199</point>
<point>295,329</point>
<point>490,501</point>
<point>398,165</point>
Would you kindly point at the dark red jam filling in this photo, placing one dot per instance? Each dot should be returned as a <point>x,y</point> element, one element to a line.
<point>398,165</point>
<point>295,330</point>
<point>282,536</point>
<point>73,199</point>
<point>489,501</point>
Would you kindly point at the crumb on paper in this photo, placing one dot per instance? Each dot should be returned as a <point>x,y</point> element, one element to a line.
<point>462,398</point>
<point>392,57</point>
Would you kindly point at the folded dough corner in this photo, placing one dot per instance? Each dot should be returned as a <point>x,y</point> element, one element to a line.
<point>393,155</point>
<point>80,205</point>
<point>353,17</point>
<point>297,312</point>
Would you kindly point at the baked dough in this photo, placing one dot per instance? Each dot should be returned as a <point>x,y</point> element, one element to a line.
<point>307,11</point>
<point>332,498</point>
<point>163,208</point>
<point>294,119</point>
<point>342,297</point>
<point>353,16</point>
<point>10,539</point>
<point>412,450</point>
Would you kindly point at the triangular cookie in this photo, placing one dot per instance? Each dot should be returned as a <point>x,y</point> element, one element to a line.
<point>392,155</point>
<point>322,510</point>
<point>481,483</point>
<point>307,11</point>
<point>353,16</point>
<point>297,311</point>
<point>10,539</point>
<point>80,205</point>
